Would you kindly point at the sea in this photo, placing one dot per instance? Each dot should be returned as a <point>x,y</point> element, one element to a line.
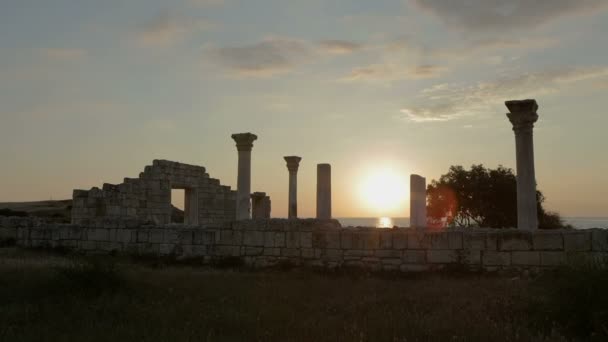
<point>389,222</point>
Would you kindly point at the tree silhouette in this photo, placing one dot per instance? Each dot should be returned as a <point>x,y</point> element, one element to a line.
<point>480,197</point>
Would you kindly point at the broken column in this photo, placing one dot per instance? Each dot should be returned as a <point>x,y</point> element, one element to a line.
<point>523,116</point>
<point>293,163</point>
<point>244,144</point>
<point>417,201</point>
<point>260,206</point>
<point>324,191</point>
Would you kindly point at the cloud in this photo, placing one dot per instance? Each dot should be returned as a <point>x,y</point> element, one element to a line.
<point>497,15</point>
<point>273,56</point>
<point>393,72</point>
<point>444,102</point>
<point>265,58</point>
<point>167,28</point>
<point>207,2</point>
<point>339,46</point>
<point>64,54</point>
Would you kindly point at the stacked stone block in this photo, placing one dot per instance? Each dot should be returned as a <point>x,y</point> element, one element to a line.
<point>147,199</point>
<point>323,243</point>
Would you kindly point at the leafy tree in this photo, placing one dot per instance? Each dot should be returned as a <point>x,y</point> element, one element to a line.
<point>480,197</point>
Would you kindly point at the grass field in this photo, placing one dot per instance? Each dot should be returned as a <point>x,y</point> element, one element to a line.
<point>48,297</point>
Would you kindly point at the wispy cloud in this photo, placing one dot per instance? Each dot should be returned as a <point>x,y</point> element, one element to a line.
<point>273,56</point>
<point>444,102</point>
<point>339,46</point>
<point>393,72</point>
<point>64,54</point>
<point>207,2</point>
<point>168,28</point>
<point>498,15</point>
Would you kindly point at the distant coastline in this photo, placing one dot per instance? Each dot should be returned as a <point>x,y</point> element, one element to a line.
<point>576,222</point>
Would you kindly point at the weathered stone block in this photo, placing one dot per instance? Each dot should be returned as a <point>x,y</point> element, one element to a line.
<point>224,251</point>
<point>366,239</point>
<point>515,241</point>
<point>391,261</point>
<point>474,240</point>
<point>98,234</point>
<point>279,239</point>
<point>546,241</point>
<point>231,237</point>
<point>325,239</point>
<point>253,238</point>
<point>252,251</point>
<point>272,251</point>
<point>142,235</point>
<point>455,240</point>
<point>306,239</point>
<point>292,239</point>
<point>441,256</point>
<point>332,255</point>
<point>204,237</point>
<point>577,241</point>
<point>167,249</point>
<point>399,239</point>
<point>387,253</point>
<point>156,235</point>
<point>414,256</point>
<point>416,240</point>
<point>414,267</point>
<point>552,258</point>
<point>308,253</point>
<point>290,252</point>
<point>599,240</point>
<point>358,253</point>
<point>346,239</point>
<point>525,258</point>
<point>491,258</point>
<point>386,239</point>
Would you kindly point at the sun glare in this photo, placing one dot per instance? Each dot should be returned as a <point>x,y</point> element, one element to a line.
<point>383,190</point>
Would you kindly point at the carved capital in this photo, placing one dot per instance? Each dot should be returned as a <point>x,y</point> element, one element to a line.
<point>522,114</point>
<point>293,162</point>
<point>244,141</point>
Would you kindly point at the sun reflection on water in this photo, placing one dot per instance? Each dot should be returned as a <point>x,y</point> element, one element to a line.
<point>384,222</point>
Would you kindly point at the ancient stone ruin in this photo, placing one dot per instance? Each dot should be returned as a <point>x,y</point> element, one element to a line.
<point>134,217</point>
<point>147,199</point>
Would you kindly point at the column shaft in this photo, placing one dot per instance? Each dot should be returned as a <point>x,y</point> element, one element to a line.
<point>417,201</point>
<point>527,217</point>
<point>324,191</point>
<point>243,186</point>
<point>293,194</point>
<point>523,116</point>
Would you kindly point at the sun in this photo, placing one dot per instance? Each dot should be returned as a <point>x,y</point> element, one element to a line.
<point>383,190</point>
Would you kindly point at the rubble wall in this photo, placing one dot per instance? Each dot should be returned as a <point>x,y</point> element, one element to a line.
<point>325,244</point>
<point>147,199</point>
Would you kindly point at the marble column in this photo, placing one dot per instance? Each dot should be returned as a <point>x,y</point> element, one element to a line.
<point>324,191</point>
<point>244,144</point>
<point>260,206</point>
<point>523,116</point>
<point>293,163</point>
<point>417,201</point>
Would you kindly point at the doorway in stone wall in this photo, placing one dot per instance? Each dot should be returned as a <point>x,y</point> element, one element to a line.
<point>184,202</point>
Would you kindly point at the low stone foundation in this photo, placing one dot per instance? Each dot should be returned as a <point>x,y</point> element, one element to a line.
<point>323,243</point>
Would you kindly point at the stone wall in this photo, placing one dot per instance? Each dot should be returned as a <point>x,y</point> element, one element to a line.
<point>147,199</point>
<point>324,243</point>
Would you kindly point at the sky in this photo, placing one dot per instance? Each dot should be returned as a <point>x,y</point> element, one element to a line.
<point>92,91</point>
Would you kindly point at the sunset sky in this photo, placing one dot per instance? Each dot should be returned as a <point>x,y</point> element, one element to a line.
<point>92,91</point>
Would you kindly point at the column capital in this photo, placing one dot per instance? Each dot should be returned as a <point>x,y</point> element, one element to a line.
<point>244,141</point>
<point>522,114</point>
<point>293,162</point>
<point>258,195</point>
